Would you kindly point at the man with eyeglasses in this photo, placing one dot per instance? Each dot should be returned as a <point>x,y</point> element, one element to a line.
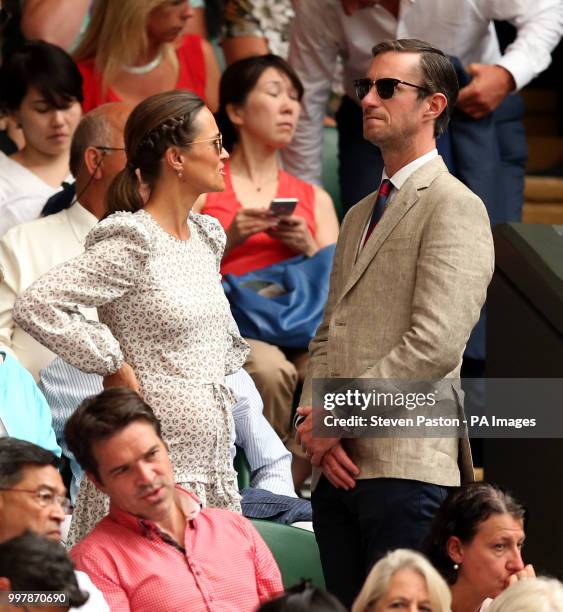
<point>33,497</point>
<point>29,250</point>
<point>410,274</point>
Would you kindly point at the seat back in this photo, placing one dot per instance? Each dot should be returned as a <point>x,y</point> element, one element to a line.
<point>295,551</point>
<point>242,468</point>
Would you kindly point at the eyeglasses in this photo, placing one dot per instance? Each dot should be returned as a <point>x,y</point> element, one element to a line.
<point>385,87</point>
<point>108,149</point>
<point>46,498</point>
<point>216,140</point>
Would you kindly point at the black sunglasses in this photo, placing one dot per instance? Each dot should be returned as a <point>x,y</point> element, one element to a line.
<point>385,87</point>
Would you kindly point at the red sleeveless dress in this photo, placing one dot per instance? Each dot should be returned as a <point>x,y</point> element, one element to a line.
<point>191,75</point>
<point>260,250</point>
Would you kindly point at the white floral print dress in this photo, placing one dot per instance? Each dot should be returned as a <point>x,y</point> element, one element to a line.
<point>163,310</point>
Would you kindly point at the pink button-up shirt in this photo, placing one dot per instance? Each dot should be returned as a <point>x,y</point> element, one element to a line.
<point>224,565</point>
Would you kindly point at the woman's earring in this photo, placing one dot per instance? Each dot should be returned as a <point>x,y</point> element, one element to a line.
<point>456,566</point>
<point>180,174</point>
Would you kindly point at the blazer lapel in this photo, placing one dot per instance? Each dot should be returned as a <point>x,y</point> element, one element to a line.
<point>405,199</point>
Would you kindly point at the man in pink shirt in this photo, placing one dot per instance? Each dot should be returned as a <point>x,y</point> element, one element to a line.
<point>157,549</point>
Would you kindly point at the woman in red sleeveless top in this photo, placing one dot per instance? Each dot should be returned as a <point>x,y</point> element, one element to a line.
<point>259,108</point>
<point>135,48</point>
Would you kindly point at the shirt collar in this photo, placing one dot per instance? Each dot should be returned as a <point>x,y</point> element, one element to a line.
<point>400,177</point>
<point>188,502</point>
<point>80,214</point>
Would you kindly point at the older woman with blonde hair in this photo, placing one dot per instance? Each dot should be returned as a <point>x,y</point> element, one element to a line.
<point>532,595</point>
<point>403,579</point>
<point>136,48</point>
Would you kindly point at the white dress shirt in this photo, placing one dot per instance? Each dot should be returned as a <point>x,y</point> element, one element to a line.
<point>96,601</point>
<point>22,194</point>
<point>461,28</point>
<point>26,252</point>
<point>398,180</point>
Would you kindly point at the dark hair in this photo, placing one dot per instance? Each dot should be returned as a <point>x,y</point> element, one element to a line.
<point>157,123</point>
<point>45,67</point>
<point>461,514</point>
<point>438,73</point>
<point>16,455</point>
<point>102,416</point>
<point>303,598</point>
<point>33,563</point>
<point>238,80</point>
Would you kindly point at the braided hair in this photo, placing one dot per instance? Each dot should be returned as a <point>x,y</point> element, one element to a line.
<point>159,122</point>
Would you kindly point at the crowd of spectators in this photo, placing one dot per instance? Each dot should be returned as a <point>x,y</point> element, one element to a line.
<point>143,159</point>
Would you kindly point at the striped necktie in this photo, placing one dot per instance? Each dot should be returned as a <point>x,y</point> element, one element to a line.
<point>379,206</point>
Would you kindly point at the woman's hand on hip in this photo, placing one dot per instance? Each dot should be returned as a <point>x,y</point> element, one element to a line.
<point>124,377</point>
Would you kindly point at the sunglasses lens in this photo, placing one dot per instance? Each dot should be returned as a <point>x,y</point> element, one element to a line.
<point>385,88</point>
<point>362,88</point>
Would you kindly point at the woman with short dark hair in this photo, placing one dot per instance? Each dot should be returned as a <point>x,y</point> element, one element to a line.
<point>41,89</point>
<point>476,544</point>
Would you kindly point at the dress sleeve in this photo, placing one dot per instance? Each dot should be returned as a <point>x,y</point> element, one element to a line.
<point>117,251</point>
<point>214,234</point>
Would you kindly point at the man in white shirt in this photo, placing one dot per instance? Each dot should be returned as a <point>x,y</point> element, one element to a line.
<point>33,497</point>
<point>326,29</point>
<point>29,250</point>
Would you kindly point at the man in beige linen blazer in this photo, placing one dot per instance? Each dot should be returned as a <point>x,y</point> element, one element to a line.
<point>401,306</point>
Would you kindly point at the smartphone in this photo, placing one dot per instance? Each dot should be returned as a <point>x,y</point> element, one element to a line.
<point>283,206</point>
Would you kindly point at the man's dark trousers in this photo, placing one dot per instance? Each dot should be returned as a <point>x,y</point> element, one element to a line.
<point>357,527</point>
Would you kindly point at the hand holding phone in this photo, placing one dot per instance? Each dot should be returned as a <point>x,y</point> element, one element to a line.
<point>281,207</point>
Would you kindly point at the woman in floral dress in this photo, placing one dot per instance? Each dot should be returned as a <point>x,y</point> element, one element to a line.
<point>152,270</point>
